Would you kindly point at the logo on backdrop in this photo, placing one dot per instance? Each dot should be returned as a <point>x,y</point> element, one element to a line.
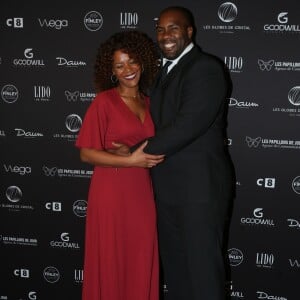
<point>28,61</point>
<point>54,171</point>
<point>32,295</point>
<point>51,274</point>
<point>42,93</point>
<point>81,96</point>
<point>49,171</point>
<point>293,223</point>
<point>14,195</point>
<point>283,18</point>
<point>257,219</point>
<point>234,64</point>
<point>231,292</point>
<point>27,134</point>
<point>53,24</point>
<point>227,13</point>
<point>296,185</point>
<point>22,273</point>
<point>294,99</point>
<point>266,65</point>
<point>294,263</point>
<point>15,22</point>
<point>17,240</point>
<point>272,143</point>
<point>264,260</point>
<point>294,95</point>
<point>64,62</point>
<point>264,295</point>
<point>78,275</point>
<point>253,142</point>
<point>73,124</point>
<point>241,104</point>
<point>54,206</point>
<point>9,93</point>
<point>129,20</point>
<point>79,208</point>
<point>282,26</point>
<point>235,256</point>
<point>93,21</point>
<point>2,133</point>
<point>64,242</point>
<point>21,170</point>
<point>72,96</point>
<point>266,182</point>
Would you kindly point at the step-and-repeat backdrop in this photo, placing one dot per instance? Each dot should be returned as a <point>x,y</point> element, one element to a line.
<point>47,54</point>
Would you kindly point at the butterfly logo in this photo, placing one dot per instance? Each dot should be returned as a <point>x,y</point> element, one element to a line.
<point>253,142</point>
<point>71,96</point>
<point>49,171</point>
<point>265,65</point>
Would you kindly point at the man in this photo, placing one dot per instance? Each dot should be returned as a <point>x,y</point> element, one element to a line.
<point>193,185</point>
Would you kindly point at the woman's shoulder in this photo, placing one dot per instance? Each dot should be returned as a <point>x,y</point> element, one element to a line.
<point>103,98</point>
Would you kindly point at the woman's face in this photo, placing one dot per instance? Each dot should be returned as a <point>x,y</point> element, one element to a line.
<point>126,69</point>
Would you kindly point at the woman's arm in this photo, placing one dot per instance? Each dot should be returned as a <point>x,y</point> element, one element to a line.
<point>106,159</point>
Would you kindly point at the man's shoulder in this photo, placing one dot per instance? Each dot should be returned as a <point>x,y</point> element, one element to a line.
<point>199,59</point>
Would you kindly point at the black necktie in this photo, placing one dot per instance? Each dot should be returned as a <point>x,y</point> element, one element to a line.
<point>164,70</point>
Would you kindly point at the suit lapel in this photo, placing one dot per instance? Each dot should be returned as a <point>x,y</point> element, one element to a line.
<point>190,56</point>
<point>157,93</point>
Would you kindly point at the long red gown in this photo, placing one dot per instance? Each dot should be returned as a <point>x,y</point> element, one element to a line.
<point>121,253</point>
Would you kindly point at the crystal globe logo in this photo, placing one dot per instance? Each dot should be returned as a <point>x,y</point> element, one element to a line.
<point>13,193</point>
<point>93,21</point>
<point>73,123</point>
<point>51,274</point>
<point>296,185</point>
<point>79,208</point>
<point>227,12</point>
<point>294,95</point>
<point>9,93</point>
<point>235,256</point>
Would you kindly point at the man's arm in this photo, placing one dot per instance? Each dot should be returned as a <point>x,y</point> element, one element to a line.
<point>203,94</point>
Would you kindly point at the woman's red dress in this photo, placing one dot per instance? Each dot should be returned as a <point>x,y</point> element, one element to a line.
<point>121,254</point>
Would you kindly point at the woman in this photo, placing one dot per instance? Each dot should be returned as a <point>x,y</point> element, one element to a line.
<point>121,256</point>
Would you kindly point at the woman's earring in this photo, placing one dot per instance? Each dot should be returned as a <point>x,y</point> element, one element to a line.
<point>142,69</point>
<point>113,78</point>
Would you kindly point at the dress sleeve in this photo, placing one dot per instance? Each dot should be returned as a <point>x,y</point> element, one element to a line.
<point>93,129</point>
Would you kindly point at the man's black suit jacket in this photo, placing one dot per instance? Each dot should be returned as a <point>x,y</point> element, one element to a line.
<point>188,110</point>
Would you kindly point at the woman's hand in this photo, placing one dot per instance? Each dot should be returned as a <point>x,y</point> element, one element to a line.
<point>113,158</point>
<point>141,159</point>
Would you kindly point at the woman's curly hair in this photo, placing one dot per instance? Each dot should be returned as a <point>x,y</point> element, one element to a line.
<point>137,45</point>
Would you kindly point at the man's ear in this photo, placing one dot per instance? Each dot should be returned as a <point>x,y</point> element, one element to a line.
<point>190,32</point>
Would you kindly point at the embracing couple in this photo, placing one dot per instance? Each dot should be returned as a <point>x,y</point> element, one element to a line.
<point>178,132</point>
